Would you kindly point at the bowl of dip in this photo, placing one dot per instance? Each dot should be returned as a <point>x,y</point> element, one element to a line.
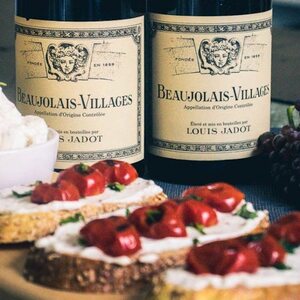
<point>28,148</point>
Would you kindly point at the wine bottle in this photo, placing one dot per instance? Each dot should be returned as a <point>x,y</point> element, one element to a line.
<point>80,65</point>
<point>211,88</point>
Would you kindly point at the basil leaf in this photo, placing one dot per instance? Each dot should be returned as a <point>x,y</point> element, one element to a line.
<point>199,228</point>
<point>127,212</point>
<point>288,247</point>
<point>282,266</point>
<point>153,216</point>
<point>254,238</point>
<point>193,197</point>
<point>116,186</point>
<point>196,242</point>
<point>73,219</point>
<point>82,242</point>
<point>21,195</point>
<point>245,213</point>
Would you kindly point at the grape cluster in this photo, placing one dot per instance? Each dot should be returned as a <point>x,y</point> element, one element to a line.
<point>283,152</point>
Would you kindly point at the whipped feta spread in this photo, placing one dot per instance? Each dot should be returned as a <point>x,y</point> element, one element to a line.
<point>137,191</point>
<point>66,239</point>
<point>264,277</point>
<point>16,131</point>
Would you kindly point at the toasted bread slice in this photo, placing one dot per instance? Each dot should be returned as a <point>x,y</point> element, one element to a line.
<point>284,292</point>
<point>18,224</point>
<point>71,271</point>
<point>278,282</point>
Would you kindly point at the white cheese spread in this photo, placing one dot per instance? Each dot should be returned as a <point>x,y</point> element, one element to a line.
<point>16,131</point>
<point>264,277</point>
<point>137,191</point>
<point>65,239</point>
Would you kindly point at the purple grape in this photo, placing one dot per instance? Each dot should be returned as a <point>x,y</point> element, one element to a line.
<point>283,153</point>
<point>279,141</point>
<point>265,142</point>
<point>287,130</point>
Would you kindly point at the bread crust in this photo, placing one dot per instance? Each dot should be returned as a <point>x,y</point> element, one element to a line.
<point>284,292</point>
<point>16,228</point>
<point>74,273</point>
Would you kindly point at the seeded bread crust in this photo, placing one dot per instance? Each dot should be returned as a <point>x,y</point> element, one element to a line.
<point>285,292</point>
<point>16,228</point>
<point>74,273</point>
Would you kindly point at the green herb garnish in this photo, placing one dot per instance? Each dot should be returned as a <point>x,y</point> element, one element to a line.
<point>21,195</point>
<point>83,169</point>
<point>193,197</point>
<point>282,266</point>
<point>245,213</point>
<point>116,186</point>
<point>82,242</point>
<point>127,212</point>
<point>254,238</point>
<point>196,242</point>
<point>288,247</point>
<point>153,216</point>
<point>73,219</point>
<point>199,228</point>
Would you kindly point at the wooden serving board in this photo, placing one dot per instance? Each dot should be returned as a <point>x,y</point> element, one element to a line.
<point>13,286</point>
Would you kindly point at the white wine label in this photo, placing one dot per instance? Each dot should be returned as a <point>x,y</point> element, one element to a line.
<point>86,79</point>
<point>211,86</point>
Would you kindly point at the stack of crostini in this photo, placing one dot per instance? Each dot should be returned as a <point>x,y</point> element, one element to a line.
<point>102,229</point>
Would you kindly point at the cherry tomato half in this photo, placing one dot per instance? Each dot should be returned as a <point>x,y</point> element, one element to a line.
<point>269,251</point>
<point>222,257</point>
<point>88,180</point>
<point>221,196</point>
<point>195,212</point>
<point>115,236</point>
<point>116,171</point>
<point>59,191</point>
<point>158,222</point>
<point>287,228</point>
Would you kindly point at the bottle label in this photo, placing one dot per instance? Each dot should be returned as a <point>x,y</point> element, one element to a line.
<point>211,85</point>
<point>86,79</point>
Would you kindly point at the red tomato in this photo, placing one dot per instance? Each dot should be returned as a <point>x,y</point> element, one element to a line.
<point>59,191</point>
<point>287,228</point>
<point>221,196</point>
<point>88,180</point>
<point>289,218</point>
<point>222,257</point>
<point>269,251</point>
<point>195,212</point>
<point>115,236</point>
<point>158,222</point>
<point>116,171</point>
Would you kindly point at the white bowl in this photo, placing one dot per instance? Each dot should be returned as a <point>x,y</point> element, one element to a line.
<point>26,166</point>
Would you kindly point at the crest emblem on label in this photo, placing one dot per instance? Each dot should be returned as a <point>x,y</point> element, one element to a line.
<point>66,61</point>
<point>220,55</point>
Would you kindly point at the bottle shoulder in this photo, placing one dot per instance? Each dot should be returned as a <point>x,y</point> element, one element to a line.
<point>80,11</point>
<point>209,7</point>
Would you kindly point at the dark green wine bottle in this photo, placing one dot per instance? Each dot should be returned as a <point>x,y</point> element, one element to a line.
<point>80,65</point>
<point>210,88</point>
